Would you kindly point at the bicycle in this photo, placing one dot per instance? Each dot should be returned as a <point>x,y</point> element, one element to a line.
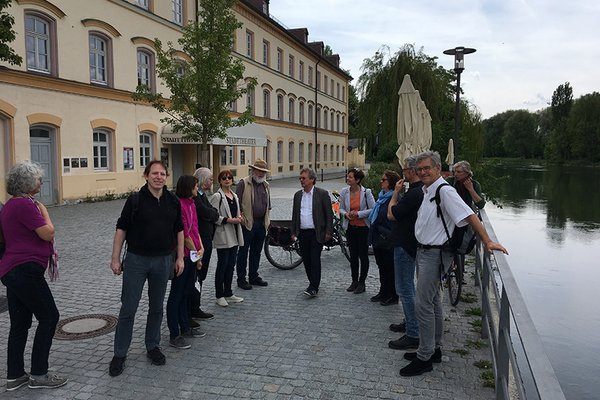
<point>454,278</point>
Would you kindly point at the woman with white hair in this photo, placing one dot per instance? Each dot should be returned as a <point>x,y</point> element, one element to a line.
<point>28,231</point>
<point>467,187</point>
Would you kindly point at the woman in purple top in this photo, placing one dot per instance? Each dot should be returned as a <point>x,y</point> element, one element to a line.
<point>28,233</point>
<point>181,286</point>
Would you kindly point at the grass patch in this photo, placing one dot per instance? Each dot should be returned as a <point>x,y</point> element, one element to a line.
<point>460,352</point>
<point>473,312</point>
<point>468,297</point>
<point>108,196</point>
<point>483,364</point>
<point>488,379</point>
<point>476,344</point>
<point>476,325</point>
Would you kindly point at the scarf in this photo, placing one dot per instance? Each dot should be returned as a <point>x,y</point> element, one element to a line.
<point>381,198</point>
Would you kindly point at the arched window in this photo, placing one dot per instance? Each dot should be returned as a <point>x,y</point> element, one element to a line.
<point>146,148</point>
<point>102,149</point>
<point>301,113</point>
<point>291,152</point>
<point>145,69</point>
<point>310,152</point>
<point>301,152</point>
<point>40,43</point>
<point>100,58</point>
<point>310,115</point>
<point>280,107</point>
<point>266,104</point>
<point>279,152</point>
<point>291,105</point>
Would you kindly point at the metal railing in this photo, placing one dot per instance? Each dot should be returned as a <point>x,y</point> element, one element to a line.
<point>521,366</point>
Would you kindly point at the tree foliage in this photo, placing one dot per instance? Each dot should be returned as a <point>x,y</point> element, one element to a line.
<point>7,35</point>
<point>204,85</point>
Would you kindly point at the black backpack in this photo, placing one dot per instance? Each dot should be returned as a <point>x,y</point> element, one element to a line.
<point>463,239</point>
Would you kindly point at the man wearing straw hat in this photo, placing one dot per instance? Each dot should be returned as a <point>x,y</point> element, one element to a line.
<point>255,203</point>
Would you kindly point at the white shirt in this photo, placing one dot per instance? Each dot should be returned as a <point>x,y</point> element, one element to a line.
<point>306,210</point>
<point>429,229</point>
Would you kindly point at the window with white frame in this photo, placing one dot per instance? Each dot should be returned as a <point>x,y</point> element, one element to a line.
<point>143,3</point>
<point>101,150</point>
<point>301,152</point>
<point>98,59</point>
<point>242,157</point>
<point>266,104</point>
<point>301,71</point>
<point>280,60</point>
<point>177,8</point>
<point>291,113</point>
<point>38,42</point>
<point>232,106</point>
<point>145,69</point>
<point>310,115</point>
<point>280,107</point>
<point>145,149</point>
<point>249,44</point>
<point>301,113</point>
<point>266,46</point>
<point>223,156</point>
<point>291,66</point>
<point>291,152</point>
<point>279,152</point>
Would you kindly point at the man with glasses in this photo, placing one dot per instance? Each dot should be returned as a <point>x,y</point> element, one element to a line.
<point>255,203</point>
<point>403,209</point>
<point>433,261</point>
<point>312,225</point>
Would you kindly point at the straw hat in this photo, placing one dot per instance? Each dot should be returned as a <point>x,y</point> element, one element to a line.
<point>260,165</point>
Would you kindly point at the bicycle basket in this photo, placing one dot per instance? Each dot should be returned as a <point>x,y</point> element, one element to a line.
<point>280,236</point>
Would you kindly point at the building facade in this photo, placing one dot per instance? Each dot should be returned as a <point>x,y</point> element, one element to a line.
<point>69,105</point>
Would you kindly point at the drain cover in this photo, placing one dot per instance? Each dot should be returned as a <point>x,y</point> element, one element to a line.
<point>85,326</point>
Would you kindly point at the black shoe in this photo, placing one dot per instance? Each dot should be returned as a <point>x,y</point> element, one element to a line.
<point>360,288</point>
<point>204,315</point>
<point>401,327</point>
<point>389,301</point>
<point>193,324</point>
<point>244,285</point>
<point>157,357</point>
<point>310,292</point>
<point>436,357</point>
<point>404,343</point>
<point>258,282</point>
<point>117,364</point>
<point>416,367</point>
<point>376,298</point>
<point>352,286</point>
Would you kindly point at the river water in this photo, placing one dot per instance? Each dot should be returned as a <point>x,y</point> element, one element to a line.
<point>550,224</point>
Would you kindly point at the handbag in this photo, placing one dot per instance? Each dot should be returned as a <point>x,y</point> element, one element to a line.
<point>53,265</point>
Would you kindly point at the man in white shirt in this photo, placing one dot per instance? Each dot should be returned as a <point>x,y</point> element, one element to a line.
<point>312,225</point>
<point>432,262</point>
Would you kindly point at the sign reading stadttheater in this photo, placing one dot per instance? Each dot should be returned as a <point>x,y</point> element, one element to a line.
<point>251,135</point>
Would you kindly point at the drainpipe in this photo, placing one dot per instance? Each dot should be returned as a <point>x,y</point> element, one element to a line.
<point>316,112</point>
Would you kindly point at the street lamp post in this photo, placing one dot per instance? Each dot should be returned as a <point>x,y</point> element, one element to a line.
<point>459,67</point>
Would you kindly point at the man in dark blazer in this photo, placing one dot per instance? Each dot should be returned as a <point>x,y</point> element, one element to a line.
<point>312,225</point>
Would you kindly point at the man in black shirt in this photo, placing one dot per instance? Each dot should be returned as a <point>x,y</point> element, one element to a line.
<point>403,209</point>
<point>151,223</point>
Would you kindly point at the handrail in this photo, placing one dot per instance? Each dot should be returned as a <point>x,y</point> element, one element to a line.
<point>522,368</point>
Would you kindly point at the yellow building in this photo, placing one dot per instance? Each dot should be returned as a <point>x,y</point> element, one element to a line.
<point>69,105</point>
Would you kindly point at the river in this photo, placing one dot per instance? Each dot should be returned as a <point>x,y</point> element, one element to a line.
<point>550,223</point>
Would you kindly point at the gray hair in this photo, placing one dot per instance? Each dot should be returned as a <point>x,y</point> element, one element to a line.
<point>23,178</point>
<point>311,173</point>
<point>411,162</point>
<point>203,174</point>
<point>465,165</point>
<point>434,156</point>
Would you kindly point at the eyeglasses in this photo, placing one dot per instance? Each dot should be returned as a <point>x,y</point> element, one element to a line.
<point>426,168</point>
<point>226,178</point>
<point>383,179</point>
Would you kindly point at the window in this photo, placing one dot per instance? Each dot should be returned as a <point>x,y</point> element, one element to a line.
<point>143,3</point>
<point>223,156</point>
<point>250,101</point>
<point>280,60</point>
<point>337,123</point>
<point>249,44</point>
<point>338,91</point>
<point>177,8</point>
<point>291,152</point>
<point>266,104</point>
<point>291,66</point>
<point>301,71</point>
<point>324,119</point>
<point>280,107</point>
<point>145,149</point>
<point>310,115</point>
<point>233,106</point>
<point>324,152</point>
<point>145,69</point>
<point>102,160</point>
<point>279,152</point>
<point>343,93</point>
<point>242,157</point>
<point>310,152</point>
<point>343,124</point>
<point>301,152</point>
<point>325,84</point>
<point>266,47</point>
<point>180,70</point>
<point>318,121</point>
<point>39,43</point>
<point>230,154</point>
<point>310,74</point>
<point>331,121</point>
<point>318,157</point>
<point>331,153</point>
<point>98,59</point>
<point>343,155</point>
<point>291,113</point>
<point>331,92</point>
<point>337,153</point>
<point>301,113</point>
<point>318,78</point>
<point>226,155</point>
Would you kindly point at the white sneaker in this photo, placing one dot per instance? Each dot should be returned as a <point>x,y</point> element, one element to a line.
<point>222,302</point>
<point>234,299</point>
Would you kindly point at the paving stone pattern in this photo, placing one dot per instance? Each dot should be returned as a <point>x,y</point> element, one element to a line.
<point>275,345</point>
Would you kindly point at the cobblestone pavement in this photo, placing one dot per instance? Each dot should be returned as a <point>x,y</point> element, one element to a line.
<point>275,345</point>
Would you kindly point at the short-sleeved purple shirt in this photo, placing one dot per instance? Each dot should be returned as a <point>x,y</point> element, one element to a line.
<point>20,217</point>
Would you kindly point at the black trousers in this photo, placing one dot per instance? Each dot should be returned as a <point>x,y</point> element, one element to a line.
<point>358,244</point>
<point>385,262</point>
<point>310,250</point>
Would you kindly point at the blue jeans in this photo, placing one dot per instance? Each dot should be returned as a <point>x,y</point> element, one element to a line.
<point>428,305</point>
<point>137,270</point>
<point>253,243</point>
<point>178,319</point>
<point>404,274</point>
<point>224,272</point>
<point>28,294</point>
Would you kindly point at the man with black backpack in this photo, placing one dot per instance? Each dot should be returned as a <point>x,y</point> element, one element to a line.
<point>433,228</point>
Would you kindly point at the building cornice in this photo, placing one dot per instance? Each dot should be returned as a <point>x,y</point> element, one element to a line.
<point>45,5</point>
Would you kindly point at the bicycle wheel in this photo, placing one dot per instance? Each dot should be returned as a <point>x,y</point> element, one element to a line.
<point>341,239</point>
<point>286,257</point>
<point>454,280</point>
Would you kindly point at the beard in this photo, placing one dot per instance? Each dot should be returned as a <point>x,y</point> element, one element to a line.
<point>259,179</point>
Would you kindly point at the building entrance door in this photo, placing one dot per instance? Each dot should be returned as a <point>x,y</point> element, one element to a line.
<point>42,152</point>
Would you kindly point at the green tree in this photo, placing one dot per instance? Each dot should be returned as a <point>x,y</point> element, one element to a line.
<point>583,128</point>
<point>558,147</point>
<point>520,137</point>
<point>203,86</point>
<point>7,35</point>
<point>493,133</point>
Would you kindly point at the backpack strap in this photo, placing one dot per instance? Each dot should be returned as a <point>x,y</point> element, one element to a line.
<point>437,199</point>
<point>135,204</point>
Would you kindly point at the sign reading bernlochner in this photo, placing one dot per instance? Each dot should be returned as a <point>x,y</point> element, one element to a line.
<point>251,135</point>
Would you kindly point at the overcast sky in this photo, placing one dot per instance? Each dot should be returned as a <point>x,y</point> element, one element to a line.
<point>525,48</point>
